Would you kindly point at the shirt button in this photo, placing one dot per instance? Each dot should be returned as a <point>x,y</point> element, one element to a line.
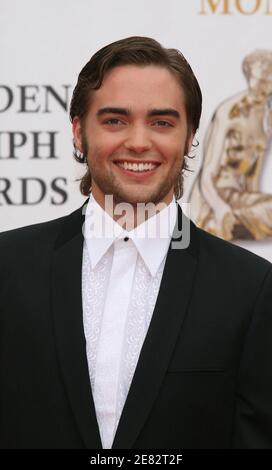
<point>126,239</point>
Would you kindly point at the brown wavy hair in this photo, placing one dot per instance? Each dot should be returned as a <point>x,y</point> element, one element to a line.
<point>142,51</point>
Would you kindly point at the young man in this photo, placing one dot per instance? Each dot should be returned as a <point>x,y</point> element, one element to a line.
<point>119,339</point>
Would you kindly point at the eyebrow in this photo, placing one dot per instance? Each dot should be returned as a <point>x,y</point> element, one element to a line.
<point>127,112</point>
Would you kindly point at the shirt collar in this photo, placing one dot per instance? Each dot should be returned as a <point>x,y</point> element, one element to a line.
<point>151,238</point>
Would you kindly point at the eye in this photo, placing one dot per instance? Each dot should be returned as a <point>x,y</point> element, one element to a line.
<point>113,121</point>
<point>162,123</point>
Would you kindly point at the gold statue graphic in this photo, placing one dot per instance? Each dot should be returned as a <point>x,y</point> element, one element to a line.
<point>225,198</point>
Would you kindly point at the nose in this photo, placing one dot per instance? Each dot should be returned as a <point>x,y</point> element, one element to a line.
<point>138,139</point>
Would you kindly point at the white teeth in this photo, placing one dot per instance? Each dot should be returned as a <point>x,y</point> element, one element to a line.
<point>137,166</point>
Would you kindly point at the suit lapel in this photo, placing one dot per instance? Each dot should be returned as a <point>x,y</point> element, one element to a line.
<point>168,317</point>
<point>68,323</point>
<point>165,325</point>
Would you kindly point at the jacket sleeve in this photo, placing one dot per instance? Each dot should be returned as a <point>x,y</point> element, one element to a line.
<point>252,425</point>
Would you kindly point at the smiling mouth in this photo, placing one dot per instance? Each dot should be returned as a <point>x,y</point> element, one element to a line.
<point>138,168</point>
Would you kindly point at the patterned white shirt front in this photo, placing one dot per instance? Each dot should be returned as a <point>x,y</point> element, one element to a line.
<point>121,276</point>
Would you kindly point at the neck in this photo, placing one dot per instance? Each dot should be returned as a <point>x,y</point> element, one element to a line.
<point>258,93</point>
<point>130,215</point>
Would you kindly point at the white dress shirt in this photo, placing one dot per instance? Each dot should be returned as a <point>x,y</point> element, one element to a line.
<point>120,284</point>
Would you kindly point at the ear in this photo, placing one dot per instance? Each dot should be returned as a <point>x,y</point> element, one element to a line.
<point>76,126</point>
<point>189,142</point>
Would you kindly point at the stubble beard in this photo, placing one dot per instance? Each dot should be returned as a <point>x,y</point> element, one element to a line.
<point>109,185</point>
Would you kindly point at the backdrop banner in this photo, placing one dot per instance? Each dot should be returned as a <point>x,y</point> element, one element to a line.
<point>44,45</point>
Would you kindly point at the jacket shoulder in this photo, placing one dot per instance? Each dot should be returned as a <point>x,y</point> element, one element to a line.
<point>26,235</point>
<point>229,255</point>
<point>36,238</point>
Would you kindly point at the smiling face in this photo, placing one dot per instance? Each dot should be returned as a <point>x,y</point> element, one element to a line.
<point>135,135</point>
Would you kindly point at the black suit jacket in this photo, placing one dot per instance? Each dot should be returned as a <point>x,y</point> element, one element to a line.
<point>204,375</point>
